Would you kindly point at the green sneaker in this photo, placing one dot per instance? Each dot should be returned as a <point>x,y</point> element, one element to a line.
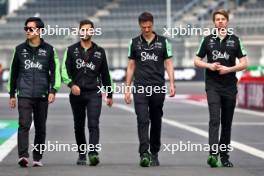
<point>94,159</point>
<point>144,160</point>
<point>213,161</point>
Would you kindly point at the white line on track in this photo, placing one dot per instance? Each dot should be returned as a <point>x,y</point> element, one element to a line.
<point>239,110</point>
<point>9,145</point>
<point>240,146</point>
<point>234,123</point>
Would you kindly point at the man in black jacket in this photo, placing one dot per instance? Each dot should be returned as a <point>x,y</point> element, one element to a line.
<point>35,77</point>
<point>84,69</point>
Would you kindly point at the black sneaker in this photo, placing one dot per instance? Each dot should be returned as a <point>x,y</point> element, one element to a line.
<point>82,159</point>
<point>94,159</point>
<point>225,162</point>
<point>23,162</point>
<point>154,160</point>
<point>144,160</point>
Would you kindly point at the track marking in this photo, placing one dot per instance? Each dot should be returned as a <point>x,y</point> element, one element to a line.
<point>9,145</point>
<point>239,146</point>
<point>183,98</point>
<point>239,110</point>
<point>234,123</point>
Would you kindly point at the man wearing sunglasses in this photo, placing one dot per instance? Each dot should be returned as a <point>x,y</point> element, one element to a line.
<point>35,78</point>
<point>84,69</point>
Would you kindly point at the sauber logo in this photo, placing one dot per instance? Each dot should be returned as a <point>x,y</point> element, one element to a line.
<point>42,52</point>
<point>97,54</point>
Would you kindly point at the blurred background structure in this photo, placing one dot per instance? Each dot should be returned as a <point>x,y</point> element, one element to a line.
<point>185,116</point>
<point>118,22</point>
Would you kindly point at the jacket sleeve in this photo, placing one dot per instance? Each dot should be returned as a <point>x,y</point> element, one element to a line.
<point>168,50</point>
<point>241,52</point>
<point>131,51</point>
<point>55,78</point>
<point>106,78</point>
<point>66,70</point>
<point>13,75</point>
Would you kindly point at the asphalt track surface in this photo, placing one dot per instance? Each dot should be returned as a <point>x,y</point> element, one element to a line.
<point>184,120</point>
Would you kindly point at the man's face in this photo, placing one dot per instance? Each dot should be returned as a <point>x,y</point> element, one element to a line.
<point>146,28</point>
<point>220,21</point>
<point>86,32</point>
<point>31,30</point>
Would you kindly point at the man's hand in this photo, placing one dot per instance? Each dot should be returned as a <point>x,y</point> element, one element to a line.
<point>109,102</point>
<point>172,90</point>
<point>12,103</point>
<point>223,70</point>
<point>214,66</point>
<point>128,98</point>
<point>51,98</point>
<point>76,90</point>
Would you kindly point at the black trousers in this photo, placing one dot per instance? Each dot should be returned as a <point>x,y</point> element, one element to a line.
<point>149,112</point>
<point>90,103</point>
<point>221,110</point>
<point>39,108</point>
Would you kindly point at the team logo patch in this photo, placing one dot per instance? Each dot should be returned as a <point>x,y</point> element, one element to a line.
<point>97,54</point>
<point>230,43</point>
<point>81,64</point>
<point>76,51</point>
<point>146,56</point>
<point>24,53</point>
<point>30,64</point>
<point>211,43</point>
<point>218,55</point>
<point>42,52</point>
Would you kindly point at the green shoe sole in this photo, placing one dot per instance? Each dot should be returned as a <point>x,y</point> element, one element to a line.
<point>145,162</point>
<point>212,161</point>
<point>94,160</point>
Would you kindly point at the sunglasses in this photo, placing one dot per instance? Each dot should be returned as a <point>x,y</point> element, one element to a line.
<point>29,29</point>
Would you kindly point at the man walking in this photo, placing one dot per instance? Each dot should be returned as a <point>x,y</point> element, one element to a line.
<point>84,69</point>
<point>221,50</point>
<point>147,55</point>
<point>35,78</point>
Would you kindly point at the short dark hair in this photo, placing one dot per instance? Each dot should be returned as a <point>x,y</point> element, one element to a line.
<point>84,22</point>
<point>145,16</point>
<point>221,12</point>
<point>37,20</point>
